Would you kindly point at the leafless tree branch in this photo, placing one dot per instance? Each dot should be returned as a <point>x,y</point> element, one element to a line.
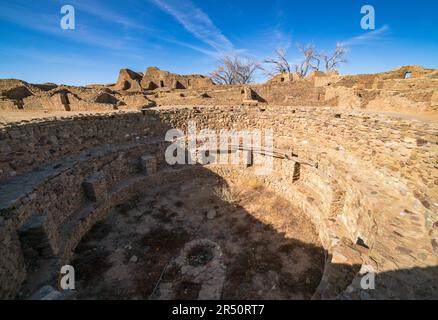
<point>234,70</point>
<point>310,61</point>
<point>333,61</point>
<point>280,63</point>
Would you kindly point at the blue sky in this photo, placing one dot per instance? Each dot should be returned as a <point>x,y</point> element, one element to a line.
<point>187,36</point>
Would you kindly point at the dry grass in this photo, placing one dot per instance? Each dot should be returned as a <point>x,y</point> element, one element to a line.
<point>254,183</point>
<point>226,194</point>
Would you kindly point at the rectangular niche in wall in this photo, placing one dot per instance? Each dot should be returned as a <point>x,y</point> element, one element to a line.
<point>34,240</point>
<point>148,164</point>
<point>297,172</point>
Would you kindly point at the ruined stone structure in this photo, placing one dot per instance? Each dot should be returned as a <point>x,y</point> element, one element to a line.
<point>154,78</point>
<point>409,89</point>
<point>367,181</point>
<point>128,80</point>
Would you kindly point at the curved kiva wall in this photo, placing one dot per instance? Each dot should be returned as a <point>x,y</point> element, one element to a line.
<point>369,183</point>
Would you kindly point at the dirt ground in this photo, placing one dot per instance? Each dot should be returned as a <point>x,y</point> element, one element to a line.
<point>17,116</point>
<point>265,249</point>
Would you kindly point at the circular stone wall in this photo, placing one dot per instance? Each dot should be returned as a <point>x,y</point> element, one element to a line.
<point>367,182</point>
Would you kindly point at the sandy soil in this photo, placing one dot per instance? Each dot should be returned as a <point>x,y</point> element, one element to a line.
<point>269,250</point>
<point>17,116</point>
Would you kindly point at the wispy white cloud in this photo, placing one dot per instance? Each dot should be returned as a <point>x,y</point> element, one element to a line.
<point>99,10</point>
<point>274,38</point>
<point>129,42</point>
<point>282,38</point>
<point>364,38</point>
<point>197,22</point>
<point>49,24</point>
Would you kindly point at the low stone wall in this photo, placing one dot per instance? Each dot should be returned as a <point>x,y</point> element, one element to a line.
<point>27,146</point>
<point>62,201</point>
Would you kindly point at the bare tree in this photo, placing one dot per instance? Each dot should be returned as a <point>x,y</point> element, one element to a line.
<point>246,70</point>
<point>311,60</point>
<point>225,72</point>
<point>280,63</point>
<point>234,70</point>
<point>333,61</point>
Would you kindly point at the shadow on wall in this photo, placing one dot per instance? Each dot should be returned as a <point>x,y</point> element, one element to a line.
<point>405,284</point>
<point>257,97</point>
<point>256,256</point>
<point>257,261</point>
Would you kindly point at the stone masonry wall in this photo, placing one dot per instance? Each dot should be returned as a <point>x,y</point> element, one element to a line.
<point>369,183</point>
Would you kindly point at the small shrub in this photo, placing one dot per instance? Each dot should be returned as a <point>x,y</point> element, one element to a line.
<point>199,256</point>
<point>226,194</point>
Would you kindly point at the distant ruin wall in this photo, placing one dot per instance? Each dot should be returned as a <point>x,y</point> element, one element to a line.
<point>407,90</point>
<point>155,78</point>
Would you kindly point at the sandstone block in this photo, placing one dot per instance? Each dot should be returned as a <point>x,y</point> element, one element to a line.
<point>49,293</point>
<point>148,164</point>
<point>34,238</point>
<point>95,186</point>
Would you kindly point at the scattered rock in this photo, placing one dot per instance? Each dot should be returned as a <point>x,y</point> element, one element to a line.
<point>211,214</point>
<point>49,293</point>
